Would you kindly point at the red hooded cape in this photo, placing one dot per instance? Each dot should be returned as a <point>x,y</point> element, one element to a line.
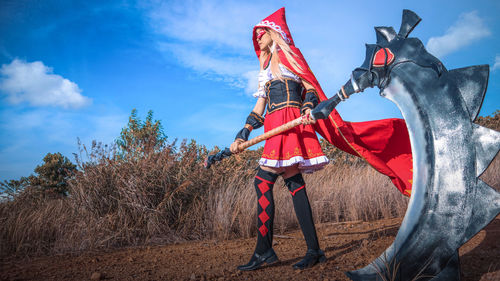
<point>384,144</point>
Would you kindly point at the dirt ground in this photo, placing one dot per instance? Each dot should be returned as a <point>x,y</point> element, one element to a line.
<point>348,246</point>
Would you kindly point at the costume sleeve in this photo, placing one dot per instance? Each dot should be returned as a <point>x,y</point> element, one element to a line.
<point>260,93</point>
<point>311,99</point>
<point>262,81</point>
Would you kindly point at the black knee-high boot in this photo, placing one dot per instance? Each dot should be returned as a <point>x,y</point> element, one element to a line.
<point>264,182</point>
<point>296,186</point>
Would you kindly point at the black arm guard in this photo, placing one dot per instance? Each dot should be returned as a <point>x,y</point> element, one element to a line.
<point>311,100</point>
<point>323,110</point>
<point>254,121</point>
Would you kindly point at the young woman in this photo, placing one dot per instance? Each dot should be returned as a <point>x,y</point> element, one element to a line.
<point>289,89</point>
<point>287,97</point>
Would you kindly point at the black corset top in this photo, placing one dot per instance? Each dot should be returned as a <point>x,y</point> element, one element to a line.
<point>281,94</point>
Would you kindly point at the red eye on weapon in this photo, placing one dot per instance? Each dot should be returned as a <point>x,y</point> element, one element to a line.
<point>379,58</point>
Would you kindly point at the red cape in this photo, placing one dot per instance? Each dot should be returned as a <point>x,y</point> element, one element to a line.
<point>384,144</point>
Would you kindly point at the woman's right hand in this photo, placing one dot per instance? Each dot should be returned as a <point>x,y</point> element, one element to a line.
<point>234,146</point>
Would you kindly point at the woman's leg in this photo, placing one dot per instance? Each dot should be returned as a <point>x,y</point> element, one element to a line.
<point>264,182</point>
<point>296,185</point>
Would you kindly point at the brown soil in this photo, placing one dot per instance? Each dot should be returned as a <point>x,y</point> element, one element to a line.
<point>348,246</point>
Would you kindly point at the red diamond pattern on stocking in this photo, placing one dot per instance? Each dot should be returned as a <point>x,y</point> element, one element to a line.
<point>263,217</point>
<point>263,187</point>
<point>263,230</point>
<point>263,202</point>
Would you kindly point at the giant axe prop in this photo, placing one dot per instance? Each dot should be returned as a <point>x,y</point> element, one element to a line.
<point>278,130</point>
<point>449,203</point>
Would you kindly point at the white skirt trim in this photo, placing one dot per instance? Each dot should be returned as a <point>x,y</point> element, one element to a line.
<point>305,165</point>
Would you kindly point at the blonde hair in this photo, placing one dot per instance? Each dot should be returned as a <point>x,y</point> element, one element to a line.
<point>290,55</point>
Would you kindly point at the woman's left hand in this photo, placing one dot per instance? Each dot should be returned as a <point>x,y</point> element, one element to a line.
<point>307,119</point>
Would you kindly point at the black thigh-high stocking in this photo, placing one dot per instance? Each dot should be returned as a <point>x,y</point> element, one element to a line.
<point>264,182</point>
<point>296,186</point>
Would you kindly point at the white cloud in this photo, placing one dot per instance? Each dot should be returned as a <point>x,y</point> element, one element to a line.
<point>223,23</point>
<point>105,127</point>
<point>497,63</point>
<point>467,29</point>
<point>221,122</point>
<point>232,69</point>
<point>35,83</point>
<point>62,127</point>
<point>212,38</point>
<point>34,132</point>
<point>252,81</point>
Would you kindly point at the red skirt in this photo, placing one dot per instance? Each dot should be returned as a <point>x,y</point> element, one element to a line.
<point>298,145</point>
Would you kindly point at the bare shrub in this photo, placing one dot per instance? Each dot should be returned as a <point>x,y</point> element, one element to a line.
<point>163,195</point>
<point>337,193</point>
<point>35,222</point>
<point>168,196</point>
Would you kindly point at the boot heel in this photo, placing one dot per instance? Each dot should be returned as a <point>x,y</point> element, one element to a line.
<point>312,257</point>
<point>272,259</point>
<point>257,260</point>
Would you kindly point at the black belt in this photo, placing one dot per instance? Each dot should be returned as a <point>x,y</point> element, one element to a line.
<point>281,94</point>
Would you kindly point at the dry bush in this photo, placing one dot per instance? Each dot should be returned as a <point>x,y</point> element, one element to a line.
<point>167,196</point>
<point>340,192</point>
<point>36,222</point>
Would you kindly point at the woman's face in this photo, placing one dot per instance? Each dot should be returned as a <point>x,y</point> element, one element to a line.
<point>263,39</point>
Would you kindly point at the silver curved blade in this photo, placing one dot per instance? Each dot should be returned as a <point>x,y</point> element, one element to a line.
<point>449,204</point>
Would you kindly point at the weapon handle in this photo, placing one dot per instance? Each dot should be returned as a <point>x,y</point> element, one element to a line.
<point>271,133</point>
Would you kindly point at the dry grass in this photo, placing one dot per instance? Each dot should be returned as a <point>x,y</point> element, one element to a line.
<point>337,193</point>
<point>168,196</point>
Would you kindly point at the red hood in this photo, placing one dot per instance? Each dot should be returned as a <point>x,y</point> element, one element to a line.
<point>277,22</point>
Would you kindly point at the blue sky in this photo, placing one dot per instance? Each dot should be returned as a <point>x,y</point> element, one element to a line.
<point>73,69</point>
